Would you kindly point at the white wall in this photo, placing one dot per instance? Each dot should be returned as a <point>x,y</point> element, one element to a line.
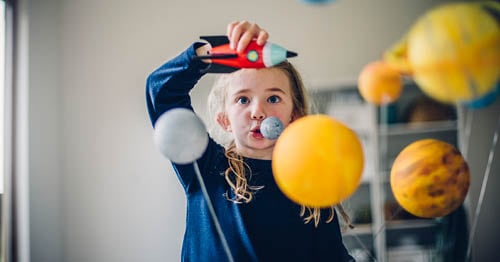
<point>100,191</point>
<point>45,134</point>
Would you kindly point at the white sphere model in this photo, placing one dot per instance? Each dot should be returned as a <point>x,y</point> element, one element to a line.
<point>180,135</point>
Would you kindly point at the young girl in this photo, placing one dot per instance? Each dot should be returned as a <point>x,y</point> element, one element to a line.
<point>257,220</point>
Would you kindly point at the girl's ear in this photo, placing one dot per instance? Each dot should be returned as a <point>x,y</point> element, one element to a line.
<point>223,121</point>
<point>293,117</point>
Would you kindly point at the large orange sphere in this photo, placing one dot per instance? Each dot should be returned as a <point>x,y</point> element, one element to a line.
<point>430,178</point>
<point>380,83</point>
<point>317,161</point>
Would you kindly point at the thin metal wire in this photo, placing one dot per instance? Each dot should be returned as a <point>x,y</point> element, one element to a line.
<point>466,138</point>
<point>483,188</point>
<point>376,234</point>
<point>212,213</point>
<point>367,251</point>
<point>385,223</point>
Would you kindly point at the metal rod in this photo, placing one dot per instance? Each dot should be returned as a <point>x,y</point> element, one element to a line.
<point>212,212</point>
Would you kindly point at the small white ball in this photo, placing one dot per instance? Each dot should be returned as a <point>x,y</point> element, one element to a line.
<point>180,135</point>
<point>271,127</point>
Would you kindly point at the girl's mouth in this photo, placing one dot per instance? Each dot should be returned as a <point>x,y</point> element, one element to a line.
<point>256,133</point>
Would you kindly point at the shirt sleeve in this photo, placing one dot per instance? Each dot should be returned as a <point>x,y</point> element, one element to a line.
<point>168,86</point>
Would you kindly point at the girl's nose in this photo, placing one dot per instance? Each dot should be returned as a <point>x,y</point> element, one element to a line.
<point>257,117</point>
<point>257,112</point>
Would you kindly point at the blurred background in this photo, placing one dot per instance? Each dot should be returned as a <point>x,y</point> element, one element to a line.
<point>95,186</point>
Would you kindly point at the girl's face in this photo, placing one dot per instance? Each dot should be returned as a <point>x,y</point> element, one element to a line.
<point>252,96</point>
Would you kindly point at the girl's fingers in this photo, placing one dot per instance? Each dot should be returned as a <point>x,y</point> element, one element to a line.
<point>229,32</point>
<point>262,37</point>
<point>236,33</point>
<point>241,33</point>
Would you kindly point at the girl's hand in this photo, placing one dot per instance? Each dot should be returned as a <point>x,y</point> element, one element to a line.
<point>240,33</point>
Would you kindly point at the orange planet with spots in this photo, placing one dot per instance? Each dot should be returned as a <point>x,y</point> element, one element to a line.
<point>430,178</point>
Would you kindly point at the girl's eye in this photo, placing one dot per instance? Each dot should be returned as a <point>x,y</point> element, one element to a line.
<point>274,99</point>
<point>243,100</point>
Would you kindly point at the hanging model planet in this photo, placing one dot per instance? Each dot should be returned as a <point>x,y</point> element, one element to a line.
<point>313,2</point>
<point>380,83</point>
<point>271,127</point>
<point>180,135</point>
<point>430,178</point>
<point>452,51</point>
<point>317,161</point>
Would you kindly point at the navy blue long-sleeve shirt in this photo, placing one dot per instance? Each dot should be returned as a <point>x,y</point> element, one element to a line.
<point>270,227</point>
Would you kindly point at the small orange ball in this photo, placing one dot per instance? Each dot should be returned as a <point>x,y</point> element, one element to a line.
<point>317,161</point>
<point>380,83</point>
<point>430,178</point>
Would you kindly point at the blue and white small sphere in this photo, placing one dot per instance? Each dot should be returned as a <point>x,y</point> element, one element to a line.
<point>180,135</point>
<point>316,1</point>
<point>271,128</point>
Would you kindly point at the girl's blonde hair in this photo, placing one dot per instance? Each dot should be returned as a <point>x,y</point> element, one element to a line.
<point>236,174</point>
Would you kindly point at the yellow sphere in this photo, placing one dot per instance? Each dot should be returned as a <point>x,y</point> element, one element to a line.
<point>317,161</point>
<point>380,83</point>
<point>430,178</point>
<point>454,52</point>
